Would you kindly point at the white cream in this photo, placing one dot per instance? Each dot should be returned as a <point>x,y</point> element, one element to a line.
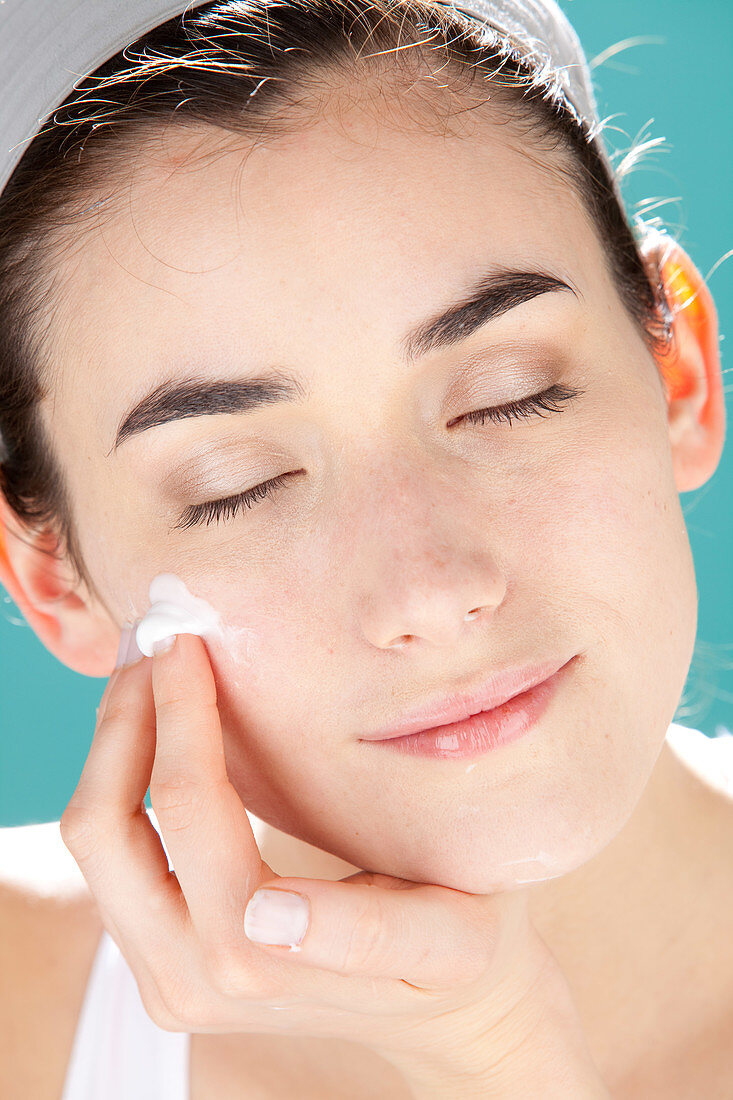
<point>174,610</point>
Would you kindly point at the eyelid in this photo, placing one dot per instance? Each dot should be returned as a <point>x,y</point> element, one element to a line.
<point>551,399</point>
<point>199,468</point>
<point>521,359</point>
<point>517,369</point>
<point>195,515</point>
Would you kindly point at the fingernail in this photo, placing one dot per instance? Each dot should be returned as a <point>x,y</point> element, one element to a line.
<point>276,917</point>
<point>162,645</point>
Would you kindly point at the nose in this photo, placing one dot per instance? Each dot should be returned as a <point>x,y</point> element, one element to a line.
<point>402,641</point>
<point>438,622</point>
<point>422,562</point>
<point>428,575</point>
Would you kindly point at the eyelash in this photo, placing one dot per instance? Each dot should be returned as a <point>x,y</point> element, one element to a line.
<point>550,400</point>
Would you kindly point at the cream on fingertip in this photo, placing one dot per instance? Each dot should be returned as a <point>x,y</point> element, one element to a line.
<point>174,610</point>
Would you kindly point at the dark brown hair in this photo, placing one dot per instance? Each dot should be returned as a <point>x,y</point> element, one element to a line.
<point>255,71</point>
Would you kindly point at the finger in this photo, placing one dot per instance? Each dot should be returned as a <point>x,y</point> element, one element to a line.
<point>202,819</point>
<point>105,825</point>
<point>430,936</point>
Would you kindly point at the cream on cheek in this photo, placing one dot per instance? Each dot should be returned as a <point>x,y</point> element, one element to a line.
<point>175,610</point>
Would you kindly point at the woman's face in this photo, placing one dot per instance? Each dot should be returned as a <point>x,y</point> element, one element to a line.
<point>315,256</point>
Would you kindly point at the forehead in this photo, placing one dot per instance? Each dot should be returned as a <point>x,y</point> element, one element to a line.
<point>349,229</point>
<point>194,200</point>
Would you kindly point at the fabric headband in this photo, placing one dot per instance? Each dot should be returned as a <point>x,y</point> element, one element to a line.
<point>48,46</point>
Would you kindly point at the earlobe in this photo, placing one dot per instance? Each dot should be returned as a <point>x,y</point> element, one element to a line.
<point>691,369</point>
<point>41,583</point>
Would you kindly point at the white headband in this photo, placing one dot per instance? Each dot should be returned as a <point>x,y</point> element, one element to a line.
<point>48,46</point>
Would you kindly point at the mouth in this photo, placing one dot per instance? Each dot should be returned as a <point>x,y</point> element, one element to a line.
<point>480,730</point>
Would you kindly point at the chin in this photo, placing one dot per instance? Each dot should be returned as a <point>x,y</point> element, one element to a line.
<point>487,878</point>
<point>489,861</point>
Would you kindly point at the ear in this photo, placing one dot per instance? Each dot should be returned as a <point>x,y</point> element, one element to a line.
<point>691,370</point>
<point>71,622</point>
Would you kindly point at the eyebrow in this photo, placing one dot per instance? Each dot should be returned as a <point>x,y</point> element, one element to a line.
<point>493,295</point>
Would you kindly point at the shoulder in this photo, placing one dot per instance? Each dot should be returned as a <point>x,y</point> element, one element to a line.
<point>710,758</point>
<point>49,932</point>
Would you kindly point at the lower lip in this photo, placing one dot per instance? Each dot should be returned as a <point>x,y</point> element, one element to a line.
<point>487,730</point>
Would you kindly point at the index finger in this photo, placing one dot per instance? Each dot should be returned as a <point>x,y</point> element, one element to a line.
<point>105,825</point>
<point>202,818</point>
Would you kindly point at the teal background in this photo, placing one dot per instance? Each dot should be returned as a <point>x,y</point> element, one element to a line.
<point>671,80</point>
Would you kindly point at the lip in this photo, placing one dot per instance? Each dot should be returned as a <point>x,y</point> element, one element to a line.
<point>486,730</point>
<point>461,705</point>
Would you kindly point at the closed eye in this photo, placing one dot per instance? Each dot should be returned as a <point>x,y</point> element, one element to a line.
<point>551,400</point>
<point>227,507</point>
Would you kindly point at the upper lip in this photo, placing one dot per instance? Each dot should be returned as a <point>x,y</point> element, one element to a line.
<point>457,706</point>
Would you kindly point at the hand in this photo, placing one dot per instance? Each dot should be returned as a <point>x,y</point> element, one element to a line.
<point>458,991</point>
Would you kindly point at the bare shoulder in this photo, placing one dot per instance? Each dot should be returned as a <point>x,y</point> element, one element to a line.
<point>709,758</point>
<point>49,932</point>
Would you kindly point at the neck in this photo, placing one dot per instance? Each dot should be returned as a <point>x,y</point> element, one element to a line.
<point>632,927</point>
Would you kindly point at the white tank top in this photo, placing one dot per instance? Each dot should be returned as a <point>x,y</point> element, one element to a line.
<point>119,1053</point>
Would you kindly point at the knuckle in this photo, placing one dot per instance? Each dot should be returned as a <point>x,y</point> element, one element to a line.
<point>367,946</point>
<point>166,1020</point>
<point>233,972</point>
<point>174,1004</point>
<point>166,897</point>
<point>116,712</point>
<point>159,1006</point>
<point>180,800</point>
<point>159,1013</point>
<point>228,973</point>
<point>80,831</point>
<point>173,701</point>
<point>175,799</point>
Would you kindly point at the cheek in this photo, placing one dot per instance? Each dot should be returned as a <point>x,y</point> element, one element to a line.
<point>610,501</point>
<point>268,630</point>
<point>243,656</point>
<point>280,625</point>
<point>620,528</point>
<point>247,665</point>
<point>262,657</point>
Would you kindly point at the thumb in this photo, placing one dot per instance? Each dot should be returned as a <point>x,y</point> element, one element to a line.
<point>379,926</point>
